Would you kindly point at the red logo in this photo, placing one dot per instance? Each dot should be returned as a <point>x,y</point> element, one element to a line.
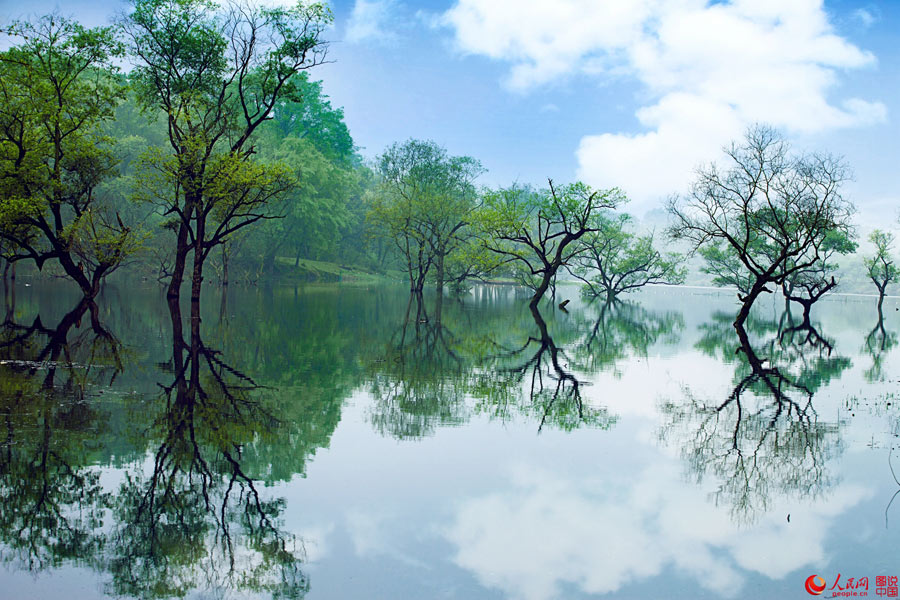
<point>815,585</point>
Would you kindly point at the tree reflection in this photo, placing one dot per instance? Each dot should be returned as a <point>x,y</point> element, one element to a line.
<point>53,504</point>
<point>878,344</point>
<point>191,518</point>
<point>552,392</point>
<point>196,520</point>
<point>764,440</point>
<point>443,366</point>
<point>621,330</point>
<point>419,381</point>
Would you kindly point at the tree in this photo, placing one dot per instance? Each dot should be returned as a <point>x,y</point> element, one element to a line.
<point>217,75</point>
<point>880,267</point>
<point>771,211</point>
<point>56,90</point>
<point>616,260</point>
<point>537,230</point>
<point>423,202</point>
<point>807,286</point>
<point>471,261</point>
<point>312,137</point>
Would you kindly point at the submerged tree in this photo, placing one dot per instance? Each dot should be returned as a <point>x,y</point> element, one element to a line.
<point>538,230</point>
<point>217,75</point>
<point>807,286</point>
<point>56,89</point>
<point>617,261</point>
<point>880,267</point>
<point>770,212</point>
<point>423,202</point>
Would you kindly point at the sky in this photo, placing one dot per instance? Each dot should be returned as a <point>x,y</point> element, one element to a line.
<point>628,93</point>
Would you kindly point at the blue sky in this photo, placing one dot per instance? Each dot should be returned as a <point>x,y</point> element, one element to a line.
<point>620,93</point>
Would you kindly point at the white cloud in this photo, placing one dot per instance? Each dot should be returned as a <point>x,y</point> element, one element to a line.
<point>370,22</point>
<point>707,71</point>
<point>547,532</point>
<point>545,39</point>
<point>865,17</point>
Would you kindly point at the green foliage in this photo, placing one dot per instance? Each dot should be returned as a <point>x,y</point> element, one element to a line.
<point>536,230</point>
<point>57,89</point>
<point>880,267</point>
<point>423,203</point>
<point>217,76</point>
<point>616,260</point>
<point>769,216</point>
<point>724,264</point>
<point>311,117</point>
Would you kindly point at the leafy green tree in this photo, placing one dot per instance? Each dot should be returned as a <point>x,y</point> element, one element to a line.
<point>57,88</point>
<point>217,74</point>
<point>774,213</point>
<point>538,230</point>
<point>470,262</point>
<point>423,202</point>
<point>315,213</point>
<point>880,267</point>
<point>322,217</point>
<point>314,119</point>
<point>616,260</point>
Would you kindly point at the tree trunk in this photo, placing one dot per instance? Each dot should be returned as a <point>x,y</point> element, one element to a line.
<point>181,251</point>
<point>76,272</point>
<point>224,266</point>
<point>97,280</point>
<point>438,307</point>
<point>439,286</point>
<point>197,274</point>
<point>748,301</point>
<point>541,289</point>
<point>807,308</point>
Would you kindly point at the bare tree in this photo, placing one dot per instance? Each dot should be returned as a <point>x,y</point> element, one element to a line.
<point>772,211</point>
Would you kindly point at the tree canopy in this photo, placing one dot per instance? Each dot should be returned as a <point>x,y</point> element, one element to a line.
<point>769,214</point>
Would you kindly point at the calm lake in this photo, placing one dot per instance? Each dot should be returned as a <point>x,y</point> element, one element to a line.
<point>346,441</point>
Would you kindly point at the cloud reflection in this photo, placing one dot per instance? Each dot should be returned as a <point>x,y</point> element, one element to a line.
<point>546,532</point>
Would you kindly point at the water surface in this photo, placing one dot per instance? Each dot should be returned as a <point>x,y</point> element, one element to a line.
<point>350,442</point>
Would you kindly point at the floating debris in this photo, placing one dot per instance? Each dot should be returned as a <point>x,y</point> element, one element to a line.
<point>47,364</point>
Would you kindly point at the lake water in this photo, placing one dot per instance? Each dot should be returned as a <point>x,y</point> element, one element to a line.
<point>347,442</point>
